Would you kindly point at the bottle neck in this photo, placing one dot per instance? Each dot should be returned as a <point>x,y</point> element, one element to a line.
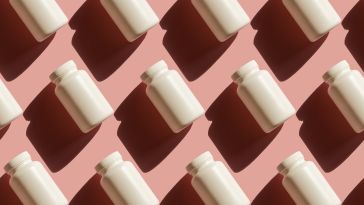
<point>109,162</point>
<point>290,163</point>
<point>154,72</point>
<point>17,162</point>
<point>245,71</point>
<point>199,163</point>
<point>336,72</point>
<point>63,71</point>
<point>103,171</point>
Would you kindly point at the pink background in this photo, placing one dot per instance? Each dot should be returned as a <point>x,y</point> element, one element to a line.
<point>273,39</point>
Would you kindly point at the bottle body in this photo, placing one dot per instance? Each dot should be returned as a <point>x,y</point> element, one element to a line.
<point>34,186</point>
<point>305,183</point>
<point>9,108</point>
<point>171,97</point>
<point>124,185</point>
<point>315,17</point>
<point>262,96</point>
<point>224,17</point>
<point>81,97</point>
<point>132,17</point>
<point>42,17</point>
<point>214,183</point>
<point>346,89</point>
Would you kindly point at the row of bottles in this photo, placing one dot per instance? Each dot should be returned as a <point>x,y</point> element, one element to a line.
<point>211,180</point>
<point>135,17</point>
<point>44,17</point>
<point>178,105</point>
<point>302,180</point>
<point>169,94</point>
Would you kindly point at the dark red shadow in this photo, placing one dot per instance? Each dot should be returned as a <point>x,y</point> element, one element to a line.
<point>325,131</point>
<point>234,131</point>
<point>53,132</point>
<point>280,41</point>
<point>3,131</point>
<point>91,193</point>
<point>98,41</point>
<point>273,193</point>
<point>144,132</point>
<point>356,196</point>
<point>182,194</point>
<point>18,48</point>
<point>189,41</point>
<point>353,22</point>
<point>7,195</point>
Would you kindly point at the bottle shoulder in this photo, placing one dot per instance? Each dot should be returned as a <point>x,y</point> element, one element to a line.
<point>120,168</point>
<point>27,168</point>
<point>347,78</point>
<point>208,168</point>
<point>300,168</point>
<point>165,77</point>
<point>258,76</point>
<point>75,77</point>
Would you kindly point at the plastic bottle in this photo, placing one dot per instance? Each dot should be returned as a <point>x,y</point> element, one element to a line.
<point>346,89</point>
<point>31,182</point>
<point>262,96</point>
<point>133,17</point>
<point>214,183</point>
<point>9,108</point>
<point>123,183</point>
<point>224,17</point>
<point>80,96</point>
<point>315,17</point>
<point>171,96</point>
<point>42,17</point>
<point>305,183</point>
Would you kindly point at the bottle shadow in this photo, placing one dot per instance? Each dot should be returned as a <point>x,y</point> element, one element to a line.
<point>53,132</point>
<point>91,193</point>
<point>354,40</point>
<point>182,193</point>
<point>325,131</point>
<point>356,196</point>
<point>144,132</point>
<point>273,193</point>
<point>18,48</point>
<point>235,132</point>
<point>189,41</point>
<point>3,131</point>
<point>280,41</point>
<point>98,40</point>
<point>7,195</point>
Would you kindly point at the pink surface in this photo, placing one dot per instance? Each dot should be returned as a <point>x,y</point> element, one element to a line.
<point>136,131</point>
